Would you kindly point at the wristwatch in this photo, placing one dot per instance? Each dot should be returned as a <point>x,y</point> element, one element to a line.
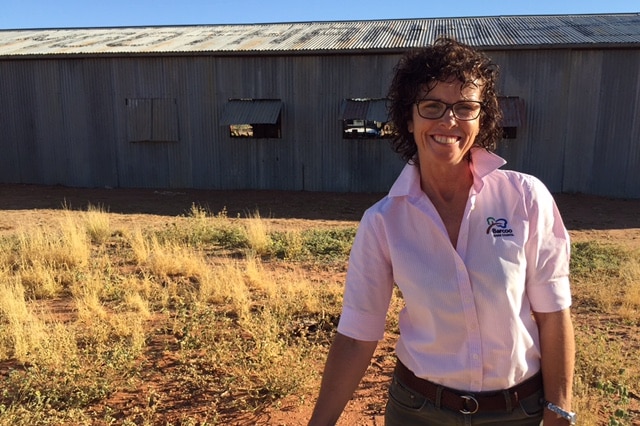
<point>569,416</point>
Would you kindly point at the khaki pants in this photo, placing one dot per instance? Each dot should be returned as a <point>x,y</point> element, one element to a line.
<point>409,408</point>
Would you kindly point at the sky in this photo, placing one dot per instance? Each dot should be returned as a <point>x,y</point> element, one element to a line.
<point>125,13</point>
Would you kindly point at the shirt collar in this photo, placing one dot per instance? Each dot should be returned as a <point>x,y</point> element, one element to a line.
<point>482,163</point>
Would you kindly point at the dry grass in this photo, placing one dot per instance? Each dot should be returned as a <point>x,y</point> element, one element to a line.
<point>202,286</point>
<point>233,315</point>
<point>65,247</point>
<point>605,280</point>
<point>629,308</point>
<point>26,337</point>
<point>257,235</point>
<point>97,224</point>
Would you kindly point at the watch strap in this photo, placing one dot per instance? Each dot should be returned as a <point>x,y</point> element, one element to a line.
<point>567,415</point>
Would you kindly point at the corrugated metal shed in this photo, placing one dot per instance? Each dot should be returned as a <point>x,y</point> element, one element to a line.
<point>486,32</point>
<point>146,107</point>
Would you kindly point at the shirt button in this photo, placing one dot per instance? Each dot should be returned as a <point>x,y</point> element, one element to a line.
<point>476,357</point>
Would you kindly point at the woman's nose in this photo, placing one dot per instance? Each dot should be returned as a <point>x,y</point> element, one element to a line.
<point>449,117</point>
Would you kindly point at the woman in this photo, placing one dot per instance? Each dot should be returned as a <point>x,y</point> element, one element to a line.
<point>480,255</point>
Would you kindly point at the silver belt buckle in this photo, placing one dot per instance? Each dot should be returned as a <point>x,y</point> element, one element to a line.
<point>467,400</point>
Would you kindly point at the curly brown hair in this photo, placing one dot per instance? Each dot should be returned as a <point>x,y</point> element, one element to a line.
<point>446,59</point>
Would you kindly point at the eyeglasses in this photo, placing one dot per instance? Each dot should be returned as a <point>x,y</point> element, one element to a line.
<point>462,110</point>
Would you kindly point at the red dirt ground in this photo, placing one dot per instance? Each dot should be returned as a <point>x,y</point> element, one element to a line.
<point>586,217</point>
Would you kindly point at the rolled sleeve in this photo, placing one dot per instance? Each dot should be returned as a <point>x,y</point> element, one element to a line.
<point>369,283</point>
<point>361,325</point>
<point>548,254</point>
<point>552,297</point>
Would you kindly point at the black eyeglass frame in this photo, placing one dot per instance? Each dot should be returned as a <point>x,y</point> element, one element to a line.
<point>447,107</point>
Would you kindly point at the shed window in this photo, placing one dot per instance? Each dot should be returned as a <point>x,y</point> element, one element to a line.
<point>253,118</point>
<point>513,114</point>
<point>364,118</point>
<point>152,120</point>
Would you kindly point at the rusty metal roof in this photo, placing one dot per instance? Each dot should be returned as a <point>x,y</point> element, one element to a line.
<point>343,36</point>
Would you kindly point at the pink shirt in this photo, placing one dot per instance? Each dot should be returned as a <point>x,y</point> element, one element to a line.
<point>467,321</point>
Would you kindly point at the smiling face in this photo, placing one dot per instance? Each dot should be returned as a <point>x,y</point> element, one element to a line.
<point>447,140</point>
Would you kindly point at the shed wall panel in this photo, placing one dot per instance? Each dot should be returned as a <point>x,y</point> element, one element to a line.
<point>618,94</point>
<point>15,122</point>
<point>543,78</point>
<point>64,121</point>
<point>632,184</point>
<point>516,69</point>
<point>58,123</point>
<point>578,102</point>
<point>584,110</point>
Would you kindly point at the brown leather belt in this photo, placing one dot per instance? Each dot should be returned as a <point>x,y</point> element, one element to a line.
<point>469,402</point>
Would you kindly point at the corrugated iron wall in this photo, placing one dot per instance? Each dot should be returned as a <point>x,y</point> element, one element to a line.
<point>582,128</point>
<point>57,122</point>
<point>64,121</point>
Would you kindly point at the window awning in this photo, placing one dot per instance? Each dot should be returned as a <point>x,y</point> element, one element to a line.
<point>364,109</point>
<point>513,111</point>
<point>251,111</point>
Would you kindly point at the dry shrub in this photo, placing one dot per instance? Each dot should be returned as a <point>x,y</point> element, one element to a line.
<point>139,245</point>
<point>257,234</point>
<point>97,223</point>
<point>167,258</point>
<point>90,308</point>
<point>272,363</point>
<point>224,283</point>
<point>247,284</point>
<point>74,238</point>
<point>293,244</point>
<point>91,284</point>
<point>630,303</point>
<point>40,281</point>
<point>105,328</point>
<point>605,286</point>
<point>129,326</point>
<point>291,292</point>
<point>138,304</point>
<point>603,376</point>
<point>7,254</point>
<point>297,294</point>
<point>258,279</point>
<point>616,292</point>
<point>260,349</point>
<point>606,277</point>
<point>172,259</point>
<point>66,246</point>
<point>16,319</point>
<point>29,339</point>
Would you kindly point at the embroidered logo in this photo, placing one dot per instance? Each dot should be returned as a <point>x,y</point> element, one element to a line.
<point>499,228</point>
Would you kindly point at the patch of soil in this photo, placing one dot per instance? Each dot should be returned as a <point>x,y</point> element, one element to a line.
<point>586,217</point>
